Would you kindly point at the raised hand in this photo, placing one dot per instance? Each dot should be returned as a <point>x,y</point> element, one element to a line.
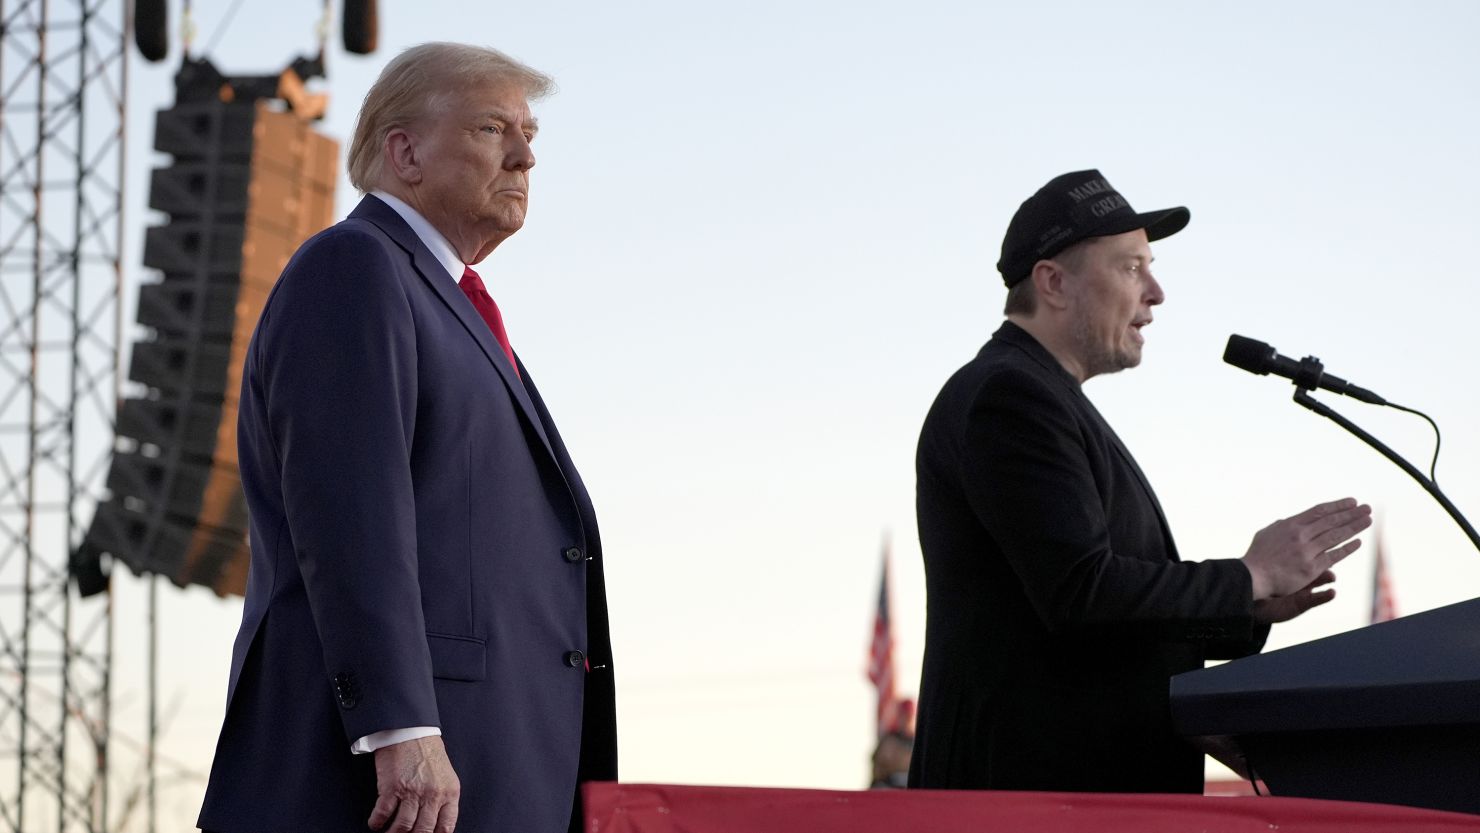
<point>1289,555</point>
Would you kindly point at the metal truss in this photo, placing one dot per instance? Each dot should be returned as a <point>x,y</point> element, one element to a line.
<point>63,73</point>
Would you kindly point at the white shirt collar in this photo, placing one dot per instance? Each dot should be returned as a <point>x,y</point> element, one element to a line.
<point>433,239</point>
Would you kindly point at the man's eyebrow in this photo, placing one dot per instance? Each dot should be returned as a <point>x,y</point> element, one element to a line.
<point>531,124</point>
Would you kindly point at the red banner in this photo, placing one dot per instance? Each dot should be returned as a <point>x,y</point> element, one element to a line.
<point>663,808</point>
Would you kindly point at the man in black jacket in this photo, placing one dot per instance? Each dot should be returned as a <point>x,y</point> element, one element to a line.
<point>1058,605</point>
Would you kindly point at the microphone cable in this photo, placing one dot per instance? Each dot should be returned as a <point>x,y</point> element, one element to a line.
<point>1434,463</point>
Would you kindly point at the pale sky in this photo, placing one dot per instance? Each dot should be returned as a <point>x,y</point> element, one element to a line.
<point>763,234</point>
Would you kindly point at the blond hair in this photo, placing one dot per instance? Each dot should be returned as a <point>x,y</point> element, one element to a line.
<point>418,82</point>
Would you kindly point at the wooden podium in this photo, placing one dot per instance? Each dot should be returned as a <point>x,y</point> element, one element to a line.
<point>1388,713</point>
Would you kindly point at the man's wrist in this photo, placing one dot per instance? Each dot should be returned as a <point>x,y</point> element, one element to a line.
<point>1258,586</point>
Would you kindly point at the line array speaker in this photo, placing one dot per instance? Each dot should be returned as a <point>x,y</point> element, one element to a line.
<point>250,181</point>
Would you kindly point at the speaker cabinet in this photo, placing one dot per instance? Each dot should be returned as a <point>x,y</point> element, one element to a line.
<point>249,182</point>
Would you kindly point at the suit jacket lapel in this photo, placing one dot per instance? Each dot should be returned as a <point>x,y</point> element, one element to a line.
<point>1125,456</point>
<point>435,276</point>
<point>573,481</point>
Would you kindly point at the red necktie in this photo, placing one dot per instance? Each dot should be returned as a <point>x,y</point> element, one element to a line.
<point>472,286</point>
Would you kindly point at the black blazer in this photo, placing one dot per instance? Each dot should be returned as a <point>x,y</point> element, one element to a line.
<point>1058,606</point>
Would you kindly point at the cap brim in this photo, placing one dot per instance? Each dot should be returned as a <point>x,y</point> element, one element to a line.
<point>1165,223</point>
<point>1158,224</point>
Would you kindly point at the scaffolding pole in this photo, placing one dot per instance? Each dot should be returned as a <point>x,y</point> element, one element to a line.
<point>63,75</point>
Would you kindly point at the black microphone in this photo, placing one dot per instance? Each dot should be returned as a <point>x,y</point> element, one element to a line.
<point>1259,358</point>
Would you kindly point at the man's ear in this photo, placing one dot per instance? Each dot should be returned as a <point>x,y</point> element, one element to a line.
<point>1048,279</point>
<point>401,158</point>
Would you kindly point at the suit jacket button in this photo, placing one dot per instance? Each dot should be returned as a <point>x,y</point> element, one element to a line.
<point>573,554</point>
<point>575,659</point>
<point>347,689</point>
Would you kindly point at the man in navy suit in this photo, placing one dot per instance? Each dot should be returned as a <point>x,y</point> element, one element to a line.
<point>1059,607</point>
<point>424,644</point>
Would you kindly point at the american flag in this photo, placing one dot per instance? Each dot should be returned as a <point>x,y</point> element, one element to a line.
<point>893,714</point>
<point>1384,603</point>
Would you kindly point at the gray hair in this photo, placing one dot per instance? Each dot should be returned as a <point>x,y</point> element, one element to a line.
<point>420,81</point>
<point>1022,298</point>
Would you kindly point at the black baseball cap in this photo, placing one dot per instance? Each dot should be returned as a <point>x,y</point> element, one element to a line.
<point>1071,208</point>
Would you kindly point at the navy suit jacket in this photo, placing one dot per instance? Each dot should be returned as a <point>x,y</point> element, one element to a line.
<point>423,554</point>
<point>1058,605</point>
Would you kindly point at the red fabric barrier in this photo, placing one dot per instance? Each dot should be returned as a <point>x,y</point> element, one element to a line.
<point>664,808</point>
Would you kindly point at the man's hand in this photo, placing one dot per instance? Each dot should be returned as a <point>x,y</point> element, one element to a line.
<point>417,788</point>
<point>1289,555</point>
<point>1285,608</point>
